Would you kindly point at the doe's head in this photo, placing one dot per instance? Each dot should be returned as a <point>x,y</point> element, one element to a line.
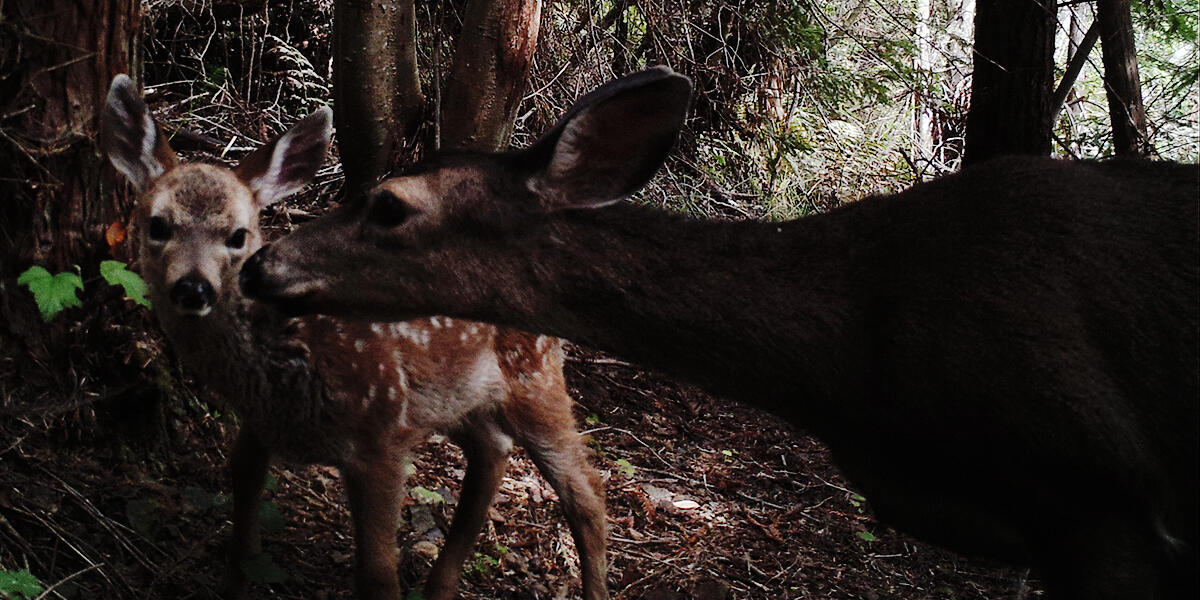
<point>456,232</point>
<point>197,223</point>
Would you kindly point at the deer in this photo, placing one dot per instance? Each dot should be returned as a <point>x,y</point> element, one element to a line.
<point>1002,360</point>
<point>318,390</point>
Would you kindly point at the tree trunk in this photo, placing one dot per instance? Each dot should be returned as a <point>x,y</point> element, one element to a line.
<point>490,72</point>
<point>377,94</point>
<point>923,142</point>
<point>1121,78</point>
<point>57,197</point>
<point>1013,79</point>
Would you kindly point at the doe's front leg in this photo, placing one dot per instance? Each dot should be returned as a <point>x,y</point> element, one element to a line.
<point>248,465</point>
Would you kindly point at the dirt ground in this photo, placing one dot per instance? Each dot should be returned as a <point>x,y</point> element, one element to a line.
<point>707,500</point>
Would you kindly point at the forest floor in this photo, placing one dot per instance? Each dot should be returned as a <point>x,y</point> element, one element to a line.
<point>707,500</point>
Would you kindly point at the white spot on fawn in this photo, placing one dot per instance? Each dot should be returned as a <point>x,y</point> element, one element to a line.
<point>360,345</point>
<point>377,329</point>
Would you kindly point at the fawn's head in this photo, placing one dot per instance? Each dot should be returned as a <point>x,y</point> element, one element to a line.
<point>455,231</point>
<point>197,223</point>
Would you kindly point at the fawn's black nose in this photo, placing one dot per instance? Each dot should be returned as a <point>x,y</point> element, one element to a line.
<point>193,293</point>
<point>251,276</point>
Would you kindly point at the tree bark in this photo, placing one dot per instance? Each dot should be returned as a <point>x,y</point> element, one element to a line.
<point>1121,81</point>
<point>377,93</point>
<point>1013,79</point>
<point>57,197</point>
<point>490,73</point>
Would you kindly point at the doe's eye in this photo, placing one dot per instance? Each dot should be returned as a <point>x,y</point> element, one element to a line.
<point>387,210</point>
<point>237,240</point>
<point>159,230</point>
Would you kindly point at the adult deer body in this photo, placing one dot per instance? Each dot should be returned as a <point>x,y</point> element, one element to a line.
<point>1003,360</point>
<point>355,395</point>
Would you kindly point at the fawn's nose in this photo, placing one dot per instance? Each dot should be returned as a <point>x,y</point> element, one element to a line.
<point>193,293</point>
<point>251,276</point>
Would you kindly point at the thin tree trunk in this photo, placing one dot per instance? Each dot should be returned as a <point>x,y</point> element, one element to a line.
<point>56,198</point>
<point>1076,58</point>
<point>490,72</point>
<point>377,94</point>
<point>1121,78</point>
<point>1013,79</point>
<point>924,133</point>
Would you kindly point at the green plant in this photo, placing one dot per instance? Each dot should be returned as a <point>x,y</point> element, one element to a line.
<point>482,564</point>
<point>145,516</point>
<point>116,272</point>
<point>625,468</point>
<point>425,496</point>
<point>858,500</point>
<point>54,293</point>
<point>261,568</point>
<point>867,536</point>
<point>269,516</point>
<point>19,584</point>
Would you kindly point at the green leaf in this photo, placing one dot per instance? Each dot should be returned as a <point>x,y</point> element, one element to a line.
<point>261,568</point>
<point>625,468</point>
<point>143,515</point>
<point>19,584</point>
<point>271,519</point>
<point>116,273</point>
<point>425,496</point>
<point>53,293</point>
<point>200,499</point>
<point>866,536</point>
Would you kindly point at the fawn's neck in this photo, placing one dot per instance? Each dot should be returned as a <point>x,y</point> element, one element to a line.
<point>236,350</point>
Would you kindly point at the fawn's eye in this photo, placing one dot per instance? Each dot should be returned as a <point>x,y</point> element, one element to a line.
<point>387,210</point>
<point>237,240</point>
<point>160,231</point>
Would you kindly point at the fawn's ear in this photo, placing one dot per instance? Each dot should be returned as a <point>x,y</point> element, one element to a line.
<point>129,136</point>
<point>288,162</point>
<point>611,142</point>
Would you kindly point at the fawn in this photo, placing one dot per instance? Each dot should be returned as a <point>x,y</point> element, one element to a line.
<point>1003,360</point>
<point>355,395</point>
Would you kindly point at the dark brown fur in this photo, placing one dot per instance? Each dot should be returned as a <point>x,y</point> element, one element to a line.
<point>1003,360</point>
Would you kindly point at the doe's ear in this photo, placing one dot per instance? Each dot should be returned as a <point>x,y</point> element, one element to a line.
<point>612,141</point>
<point>288,162</point>
<point>129,136</point>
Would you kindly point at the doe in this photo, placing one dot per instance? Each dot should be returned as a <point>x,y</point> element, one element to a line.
<point>355,395</point>
<point>1003,360</point>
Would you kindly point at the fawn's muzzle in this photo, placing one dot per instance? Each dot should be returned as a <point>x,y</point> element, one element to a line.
<point>193,293</point>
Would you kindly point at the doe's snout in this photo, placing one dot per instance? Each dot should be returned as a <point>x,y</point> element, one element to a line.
<point>251,277</point>
<point>193,293</point>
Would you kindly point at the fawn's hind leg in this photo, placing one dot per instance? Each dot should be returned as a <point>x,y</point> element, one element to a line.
<point>544,426</point>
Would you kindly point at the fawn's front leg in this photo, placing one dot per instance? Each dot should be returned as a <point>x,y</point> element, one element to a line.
<point>486,449</point>
<point>373,483</point>
<point>248,471</point>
